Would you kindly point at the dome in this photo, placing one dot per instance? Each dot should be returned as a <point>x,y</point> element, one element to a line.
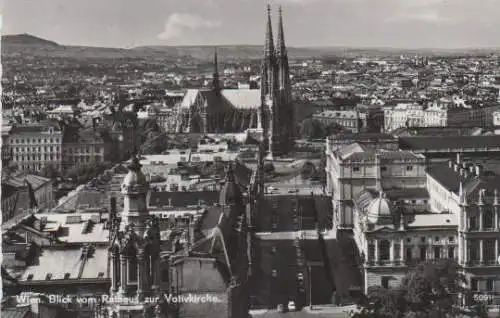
<point>380,208</point>
<point>135,180</point>
<point>231,192</point>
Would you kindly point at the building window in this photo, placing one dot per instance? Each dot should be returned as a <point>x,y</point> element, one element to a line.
<point>489,284</point>
<point>385,250</point>
<point>422,239</point>
<point>474,284</point>
<point>488,222</point>
<point>132,270</point>
<point>409,254</point>
<point>437,252</point>
<point>473,223</point>
<point>385,282</point>
<point>436,239</point>
<point>451,238</point>
<point>451,252</point>
<point>409,168</point>
<point>383,169</point>
<point>355,169</point>
<point>423,252</point>
<point>371,252</point>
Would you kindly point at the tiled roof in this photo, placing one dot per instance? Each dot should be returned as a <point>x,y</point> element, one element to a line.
<point>16,312</point>
<point>183,198</point>
<point>383,155</point>
<point>448,178</point>
<point>243,98</point>
<point>19,181</point>
<point>347,151</point>
<point>68,262</point>
<point>448,142</point>
<point>407,193</point>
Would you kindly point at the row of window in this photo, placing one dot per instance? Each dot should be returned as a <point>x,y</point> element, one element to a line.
<point>384,252</point>
<point>34,141</point>
<point>34,149</point>
<point>38,157</point>
<point>383,168</point>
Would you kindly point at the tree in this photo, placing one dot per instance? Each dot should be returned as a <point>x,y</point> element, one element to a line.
<point>312,129</point>
<point>431,290</point>
<point>308,170</point>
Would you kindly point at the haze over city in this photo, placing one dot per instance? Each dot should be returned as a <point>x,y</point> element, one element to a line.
<point>347,23</point>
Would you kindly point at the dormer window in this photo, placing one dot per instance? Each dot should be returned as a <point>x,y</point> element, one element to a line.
<point>30,277</point>
<point>67,275</point>
<point>49,276</point>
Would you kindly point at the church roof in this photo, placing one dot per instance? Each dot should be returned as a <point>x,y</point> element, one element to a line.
<point>228,98</point>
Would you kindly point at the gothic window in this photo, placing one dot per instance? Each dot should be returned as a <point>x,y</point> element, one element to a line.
<point>132,270</point>
<point>385,250</point>
<point>488,222</point>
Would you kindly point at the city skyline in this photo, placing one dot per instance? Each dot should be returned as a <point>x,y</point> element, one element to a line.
<point>308,23</point>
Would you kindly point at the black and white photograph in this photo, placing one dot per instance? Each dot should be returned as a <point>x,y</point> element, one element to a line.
<point>250,158</point>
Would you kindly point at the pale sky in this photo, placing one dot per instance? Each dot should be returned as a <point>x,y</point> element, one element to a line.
<point>346,23</point>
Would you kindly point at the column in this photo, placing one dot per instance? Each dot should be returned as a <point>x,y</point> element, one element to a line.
<point>402,254</point>
<point>140,275</point>
<point>465,251</point>
<point>481,219</point>
<point>115,278</point>
<point>496,251</point>
<point>392,252</point>
<point>496,218</point>
<point>123,274</point>
<point>376,259</point>
<point>481,252</point>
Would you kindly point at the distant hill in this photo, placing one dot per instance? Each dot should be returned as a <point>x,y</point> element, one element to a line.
<point>26,39</point>
<point>29,45</point>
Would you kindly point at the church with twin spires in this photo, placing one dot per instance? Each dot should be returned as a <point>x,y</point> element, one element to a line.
<point>220,110</point>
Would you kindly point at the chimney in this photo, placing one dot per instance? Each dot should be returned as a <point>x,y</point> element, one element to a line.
<point>479,170</point>
<point>450,164</point>
<point>169,202</point>
<point>459,158</point>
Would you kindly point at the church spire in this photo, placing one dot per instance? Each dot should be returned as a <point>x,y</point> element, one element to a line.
<point>269,48</point>
<point>281,47</point>
<point>215,76</point>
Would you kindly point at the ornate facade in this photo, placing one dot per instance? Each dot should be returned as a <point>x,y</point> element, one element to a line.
<point>134,252</point>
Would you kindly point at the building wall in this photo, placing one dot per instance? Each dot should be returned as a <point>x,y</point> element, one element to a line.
<point>37,149</point>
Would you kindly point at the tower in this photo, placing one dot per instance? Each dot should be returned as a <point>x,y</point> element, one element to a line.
<point>276,91</point>
<point>215,76</point>
<point>284,89</point>
<point>134,248</point>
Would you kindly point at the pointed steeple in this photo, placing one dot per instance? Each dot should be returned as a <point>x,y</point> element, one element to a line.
<point>215,77</point>
<point>281,47</point>
<point>269,48</point>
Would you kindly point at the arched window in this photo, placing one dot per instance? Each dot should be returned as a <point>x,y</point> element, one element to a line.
<point>385,250</point>
<point>132,269</point>
<point>488,219</point>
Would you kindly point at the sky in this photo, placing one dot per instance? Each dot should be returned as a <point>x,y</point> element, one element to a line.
<point>342,23</point>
